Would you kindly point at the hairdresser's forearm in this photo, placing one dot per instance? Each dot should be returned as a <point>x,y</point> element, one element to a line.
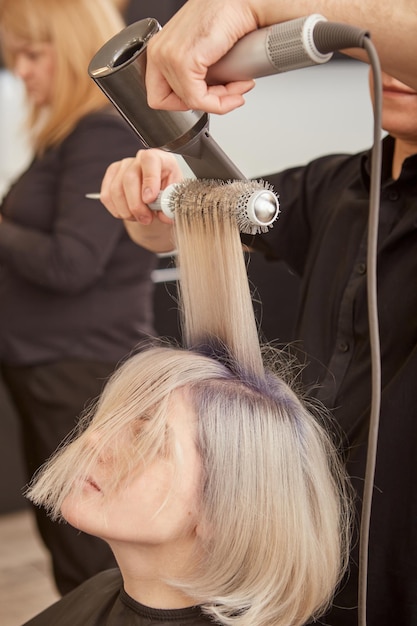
<point>156,237</point>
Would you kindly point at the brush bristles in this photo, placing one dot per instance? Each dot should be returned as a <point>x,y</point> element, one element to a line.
<point>229,199</point>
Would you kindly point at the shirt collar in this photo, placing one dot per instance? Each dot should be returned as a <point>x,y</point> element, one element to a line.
<point>408,172</point>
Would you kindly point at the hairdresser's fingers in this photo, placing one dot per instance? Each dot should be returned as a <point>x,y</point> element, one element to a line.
<point>178,57</point>
<point>149,173</point>
<point>184,93</point>
<point>112,193</point>
<point>159,169</point>
<point>131,184</point>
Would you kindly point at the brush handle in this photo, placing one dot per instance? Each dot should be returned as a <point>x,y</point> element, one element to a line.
<point>162,202</point>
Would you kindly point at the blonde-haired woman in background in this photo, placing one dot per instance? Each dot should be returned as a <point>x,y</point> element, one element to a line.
<point>76,293</point>
<point>220,494</point>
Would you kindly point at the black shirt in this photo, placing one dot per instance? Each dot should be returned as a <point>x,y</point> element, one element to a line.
<point>102,601</point>
<point>72,282</point>
<point>321,234</point>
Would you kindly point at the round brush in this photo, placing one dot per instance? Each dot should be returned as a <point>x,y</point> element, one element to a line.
<point>252,204</point>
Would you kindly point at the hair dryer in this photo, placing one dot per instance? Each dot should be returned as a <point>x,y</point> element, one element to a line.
<point>119,69</point>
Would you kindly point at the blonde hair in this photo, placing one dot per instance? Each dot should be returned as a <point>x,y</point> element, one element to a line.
<point>274,497</point>
<point>76,29</point>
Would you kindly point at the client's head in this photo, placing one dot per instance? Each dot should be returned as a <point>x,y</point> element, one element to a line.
<point>227,471</point>
<point>204,458</point>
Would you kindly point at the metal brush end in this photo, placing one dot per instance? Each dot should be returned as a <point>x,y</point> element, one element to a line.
<point>257,206</point>
<point>262,208</point>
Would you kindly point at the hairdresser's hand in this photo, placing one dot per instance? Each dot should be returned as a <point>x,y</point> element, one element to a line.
<point>130,184</point>
<point>198,35</point>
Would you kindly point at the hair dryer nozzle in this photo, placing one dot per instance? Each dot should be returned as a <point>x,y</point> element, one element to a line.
<point>119,69</point>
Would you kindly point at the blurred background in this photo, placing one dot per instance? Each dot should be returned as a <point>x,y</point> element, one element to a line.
<point>287,120</point>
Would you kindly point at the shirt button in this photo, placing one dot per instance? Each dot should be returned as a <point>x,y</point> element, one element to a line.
<point>343,346</point>
<point>361,268</point>
<point>393,195</point>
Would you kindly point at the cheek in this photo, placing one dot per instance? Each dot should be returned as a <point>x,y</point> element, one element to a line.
<point>189,496</point>
<point>400,110</point>
<point>49,80</point>
<point>48,77</point>
<point>51,70</point>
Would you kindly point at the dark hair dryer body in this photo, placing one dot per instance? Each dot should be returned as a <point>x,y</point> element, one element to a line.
<point>119,69</point>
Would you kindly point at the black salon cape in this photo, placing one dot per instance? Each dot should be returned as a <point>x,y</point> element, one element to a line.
<point>101,601</point>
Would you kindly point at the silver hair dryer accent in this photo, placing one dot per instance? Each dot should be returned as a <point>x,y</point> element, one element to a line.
<point>119,69</point>
<point>284,47</point>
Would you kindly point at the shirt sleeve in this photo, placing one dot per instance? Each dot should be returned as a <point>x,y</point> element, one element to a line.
<point>72,252</point>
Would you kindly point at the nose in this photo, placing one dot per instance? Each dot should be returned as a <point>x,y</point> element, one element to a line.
<point>22,66</point>
<point>94,441</point>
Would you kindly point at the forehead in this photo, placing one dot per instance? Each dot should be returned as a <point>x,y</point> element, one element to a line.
<point>14,47</point>
<point>15,43</point>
